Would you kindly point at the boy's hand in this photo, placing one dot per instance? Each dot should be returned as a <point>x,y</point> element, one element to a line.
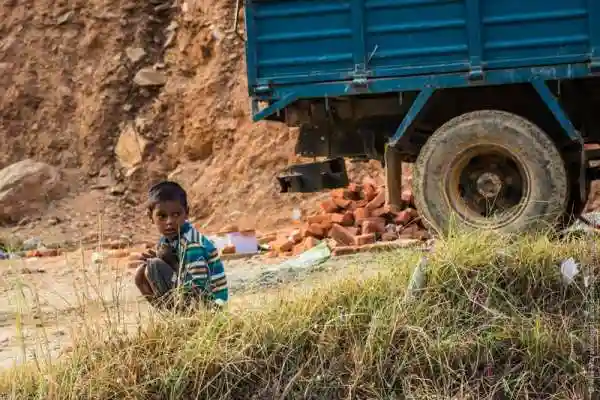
<point>138,259</point>
<point>148,253</point>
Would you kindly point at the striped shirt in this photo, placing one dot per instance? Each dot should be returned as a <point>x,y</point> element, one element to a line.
<point>202,267</point>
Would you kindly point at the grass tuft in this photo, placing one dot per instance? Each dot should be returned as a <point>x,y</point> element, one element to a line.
<point>495,320</point>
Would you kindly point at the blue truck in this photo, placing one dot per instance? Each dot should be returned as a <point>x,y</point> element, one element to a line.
<point>496,102</point>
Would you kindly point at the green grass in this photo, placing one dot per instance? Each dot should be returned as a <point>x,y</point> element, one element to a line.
<point>494,321</point>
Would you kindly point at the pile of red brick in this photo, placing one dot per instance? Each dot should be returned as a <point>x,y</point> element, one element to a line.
<point>355,216</point>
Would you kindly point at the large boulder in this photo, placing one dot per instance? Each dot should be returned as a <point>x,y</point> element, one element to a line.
<point>27,187</point>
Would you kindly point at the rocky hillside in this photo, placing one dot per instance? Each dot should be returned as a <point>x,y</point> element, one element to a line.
<point>116,94</point>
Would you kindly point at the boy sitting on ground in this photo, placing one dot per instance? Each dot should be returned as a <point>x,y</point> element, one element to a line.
<point>185,260</point>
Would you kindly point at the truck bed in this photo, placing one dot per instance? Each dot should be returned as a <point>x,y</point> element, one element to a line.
<point>294,45</point>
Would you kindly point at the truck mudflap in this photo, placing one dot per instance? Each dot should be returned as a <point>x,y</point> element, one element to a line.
<point>314,177</point>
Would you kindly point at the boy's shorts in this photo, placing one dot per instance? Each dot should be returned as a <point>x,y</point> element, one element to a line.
<point>163,279</point>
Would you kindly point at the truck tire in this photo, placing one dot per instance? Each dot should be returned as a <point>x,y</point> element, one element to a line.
<point>490,170</point>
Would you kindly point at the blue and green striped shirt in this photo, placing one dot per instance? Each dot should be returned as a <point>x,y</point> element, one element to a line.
<point>201,265</point>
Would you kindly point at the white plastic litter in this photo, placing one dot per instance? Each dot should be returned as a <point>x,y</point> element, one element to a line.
<point>569,270</point>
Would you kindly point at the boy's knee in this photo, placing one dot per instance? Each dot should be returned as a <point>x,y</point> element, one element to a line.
<point>140,275</point>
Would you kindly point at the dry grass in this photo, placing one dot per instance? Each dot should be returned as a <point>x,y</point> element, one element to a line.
<point>495,321</point>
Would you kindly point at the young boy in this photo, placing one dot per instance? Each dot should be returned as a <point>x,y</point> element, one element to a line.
<point>184,259</point>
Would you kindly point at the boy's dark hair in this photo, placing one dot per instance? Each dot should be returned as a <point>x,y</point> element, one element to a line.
<point>166,191</point>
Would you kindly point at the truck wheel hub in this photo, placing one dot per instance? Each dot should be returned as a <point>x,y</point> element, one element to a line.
<point>489,185</point>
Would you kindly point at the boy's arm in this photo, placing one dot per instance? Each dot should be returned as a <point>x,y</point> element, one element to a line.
<point>218,279</point>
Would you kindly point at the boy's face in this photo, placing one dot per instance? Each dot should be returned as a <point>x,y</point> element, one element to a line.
<point>168,216</point>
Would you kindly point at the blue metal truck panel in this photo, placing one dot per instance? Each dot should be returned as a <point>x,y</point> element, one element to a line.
<point>317,48</point>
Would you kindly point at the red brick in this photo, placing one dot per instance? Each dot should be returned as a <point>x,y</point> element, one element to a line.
<point>267,238</point>
<point>381,211</point>
<point>355,231</point>
<point>229,249</point>
<point>345,219</point>
<point>373,226</point>
<point>342,203</point>
<point>318,219</point>
<point>377,202</point>
<point>337,193</point>
<point>345,250</point>
<point>310,242</point>
<point>361,240</point>
<point>316,231</point>
<point>369,191</point>
<point>341,235</point>
<point>296,236</point>
<point>337,218</point>
<point>282,245</point>
<point>367,180</point>
<point>361,213</point>
<point>354,188</point>
<point>407,197</point>
<point>272,254</point>
<point>298,249</point>
<point>348,219</point>
<point>404,217</point>
<point>378,220</point>
<point>329,206</point>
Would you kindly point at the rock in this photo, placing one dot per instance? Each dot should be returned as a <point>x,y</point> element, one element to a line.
<point>150,77</point>
<point>130,148</point>
<point>117,190</point>
<point>27,187</point>
<point>135,54</point>
<point>64,18</point>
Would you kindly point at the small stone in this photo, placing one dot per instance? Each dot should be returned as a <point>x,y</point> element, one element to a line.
<point>64,18</point>
<point>117,190</point>
<point>150,77</point>
<point>135,54</point>
<point>53,221</point>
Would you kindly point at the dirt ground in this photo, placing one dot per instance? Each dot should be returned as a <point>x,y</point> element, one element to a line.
<point>44,303</point>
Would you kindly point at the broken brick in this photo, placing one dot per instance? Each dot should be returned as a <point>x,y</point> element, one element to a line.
<point>382,211</point>
<point>318,219</point>
<point>342,203</point>
<point>267,238</point>
<point>369,191</point>
<point>364,239</point>
<point>337,218</point>
<point>337,193</point>
<point>329,206</point>
<point>407,197</point>
<point>310,242</point>
<point>361,213</point>
<point>307,244</point>
<point>296,236</point>
<point>379,246</point>
<point>354,188</point>
<point>348,219</point>
<point>315,230</point>
<point>345,250</point>
<point>367,180</point>
<point>341,235</point>
<point>228,249</point>
<point>404,217</point>
<point>373,226</point>
<point>355,231</point>
<point>377,202</point>
<point>345,219</point>
<point>378,220</point>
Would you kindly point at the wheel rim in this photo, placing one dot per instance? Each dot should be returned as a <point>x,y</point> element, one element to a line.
<point>487,186</point>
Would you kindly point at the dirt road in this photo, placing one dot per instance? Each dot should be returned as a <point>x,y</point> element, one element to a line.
<point>44,303</point>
